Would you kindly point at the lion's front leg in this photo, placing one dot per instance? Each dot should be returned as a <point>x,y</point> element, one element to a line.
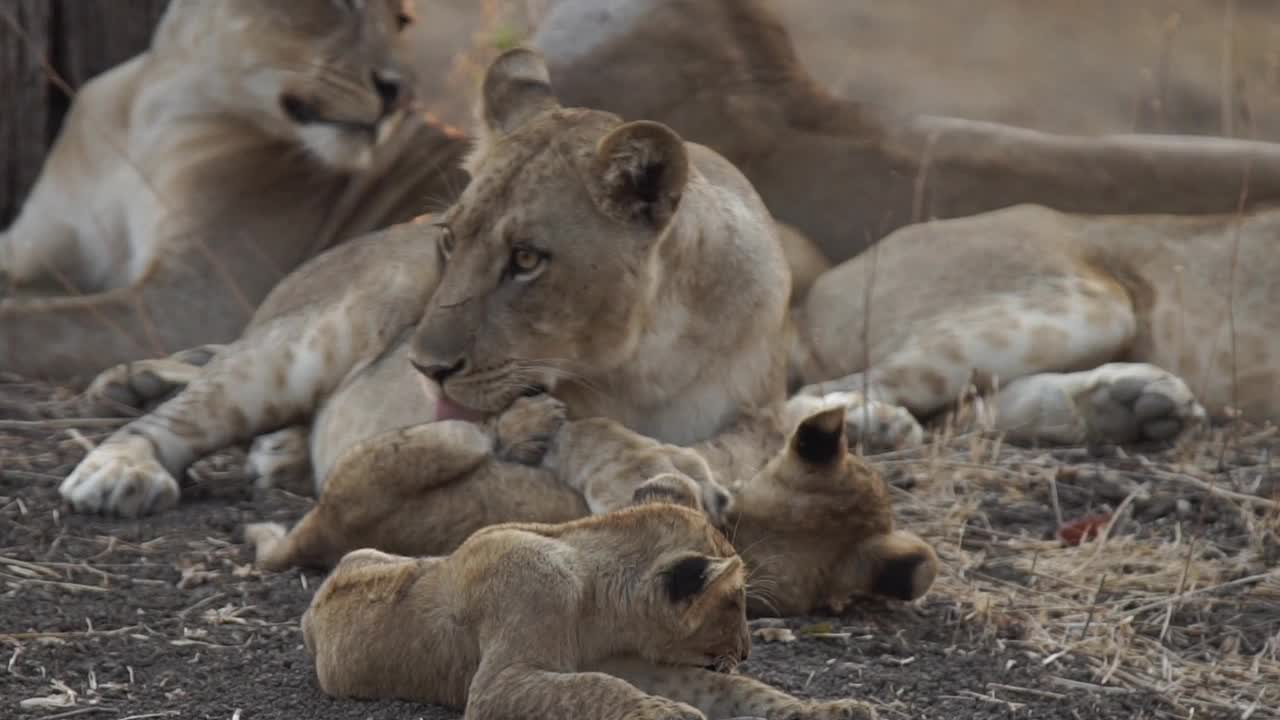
<point>269,379</point>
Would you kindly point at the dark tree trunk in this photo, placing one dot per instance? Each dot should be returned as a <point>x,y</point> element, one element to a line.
<point>72,39</point>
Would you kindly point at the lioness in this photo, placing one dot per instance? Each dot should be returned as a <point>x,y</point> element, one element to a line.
<point>636,276</point>
<point>617,612</point>
<point>187,181</point>
<point>846,173</point>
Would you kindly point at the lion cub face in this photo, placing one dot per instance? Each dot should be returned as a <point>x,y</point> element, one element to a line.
<point>325,73</point>
<point>551,251</point>
<point>696,593</point>
<point>816,527</point>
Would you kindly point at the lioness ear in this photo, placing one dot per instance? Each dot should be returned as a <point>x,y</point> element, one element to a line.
<point>688,576</point>
<point>820,438</point>
<point>643,168</point>
<point>517,87</point>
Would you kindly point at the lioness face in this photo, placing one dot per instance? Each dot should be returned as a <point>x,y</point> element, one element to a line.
<point>551,252</point>
<point>325,73</point>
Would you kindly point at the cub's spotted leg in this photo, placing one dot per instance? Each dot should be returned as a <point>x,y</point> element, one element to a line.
<point>721,696</point>
<point>502,691</point>
<point>282,459</point>
<point>1114,403</point>
<point>140,384</point>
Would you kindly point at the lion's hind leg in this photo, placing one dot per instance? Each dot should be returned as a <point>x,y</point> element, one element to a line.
<point>1034,343</point>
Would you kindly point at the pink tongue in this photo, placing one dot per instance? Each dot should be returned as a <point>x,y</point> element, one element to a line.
<point>446,409</point>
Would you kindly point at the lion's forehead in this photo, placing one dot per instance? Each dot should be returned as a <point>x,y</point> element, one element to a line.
<point>555,151</point>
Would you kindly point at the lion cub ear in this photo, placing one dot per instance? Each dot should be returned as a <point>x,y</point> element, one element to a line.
<point>690,575</point>
<point>517,86</point>
<point>643,168</point>
<point>820,439</point>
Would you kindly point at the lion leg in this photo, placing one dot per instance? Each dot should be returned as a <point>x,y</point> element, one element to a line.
<point>501,691</point>
<point>721,696</point>
<point>1049,327</point>
<point>268,380</point>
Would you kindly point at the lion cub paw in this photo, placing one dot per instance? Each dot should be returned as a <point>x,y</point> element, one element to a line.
<point>120,477</point>
<point>282,459</point>
<point>1134,402</point>
<point>525,430</point>
<point>826,710</point>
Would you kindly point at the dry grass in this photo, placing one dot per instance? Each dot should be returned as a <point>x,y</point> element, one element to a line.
<point>1156,606</point>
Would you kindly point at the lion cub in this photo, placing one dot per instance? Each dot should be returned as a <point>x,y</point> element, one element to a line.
<point>519,621</point>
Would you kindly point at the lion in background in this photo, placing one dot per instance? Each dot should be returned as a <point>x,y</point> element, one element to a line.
<point>843,173</point>
<point>186,182</point>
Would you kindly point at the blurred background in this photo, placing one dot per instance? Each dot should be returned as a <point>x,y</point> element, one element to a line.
<point>1207,67</point>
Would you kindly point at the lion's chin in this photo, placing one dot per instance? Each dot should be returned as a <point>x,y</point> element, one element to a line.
<point>341,149</point>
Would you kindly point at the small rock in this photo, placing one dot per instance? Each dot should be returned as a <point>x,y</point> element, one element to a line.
<point>772,635</point>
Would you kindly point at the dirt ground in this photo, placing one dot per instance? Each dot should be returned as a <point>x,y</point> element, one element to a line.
<point>1175,615</point>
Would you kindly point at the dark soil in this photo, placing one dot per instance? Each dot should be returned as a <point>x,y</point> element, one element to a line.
<point>115,619</point>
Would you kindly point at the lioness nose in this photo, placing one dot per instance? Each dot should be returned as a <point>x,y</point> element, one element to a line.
<point>439,371</point>
<point>387,84</point>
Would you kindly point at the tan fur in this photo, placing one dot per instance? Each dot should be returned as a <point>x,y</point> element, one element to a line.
<point>671,335</point>
<point>331,347</point>
<point>846,173</point>
<point>485,626</point>
<point>815,530</point>
<point>180,190</point>
<point>674,332</point>
<point>1097,328</point>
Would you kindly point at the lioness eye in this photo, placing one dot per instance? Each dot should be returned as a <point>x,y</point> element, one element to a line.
<point>525,261</point>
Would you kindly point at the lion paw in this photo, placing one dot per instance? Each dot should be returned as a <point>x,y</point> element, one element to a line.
<point>120,477</point>
<point>137,385</point>
<point>879,426</point>
<point>282,459</point>
<point>525,430</point>
<point>1134,402</point>
<point>826,710</point>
